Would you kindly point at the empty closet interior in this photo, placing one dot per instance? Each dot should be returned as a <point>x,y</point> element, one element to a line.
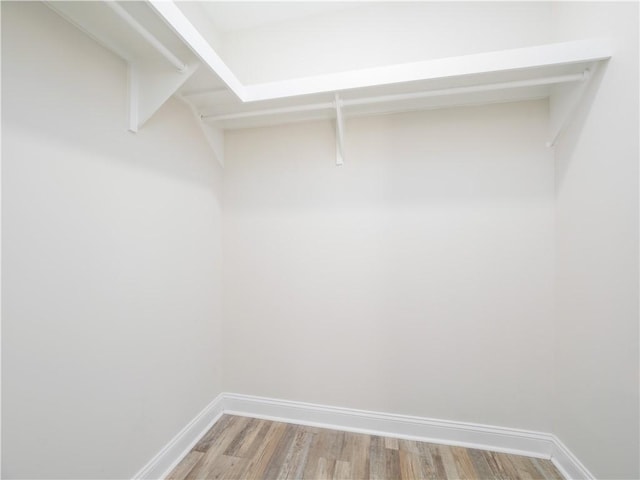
<point>419,218</point>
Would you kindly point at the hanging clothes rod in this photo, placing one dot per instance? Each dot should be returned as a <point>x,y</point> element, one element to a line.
<point>576,77</point>
<point>148,36</point>
<point>271,111</point>
<point>204,92</point>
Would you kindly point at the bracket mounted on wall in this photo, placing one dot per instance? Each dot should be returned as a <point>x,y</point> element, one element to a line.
<point>150,86</point>
<point>566,102</point>
<point>154,72</point>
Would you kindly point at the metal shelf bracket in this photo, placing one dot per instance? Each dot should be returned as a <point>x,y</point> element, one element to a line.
<point>567,108</point>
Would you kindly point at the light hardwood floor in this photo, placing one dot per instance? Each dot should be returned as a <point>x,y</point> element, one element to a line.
<point>249,448</point>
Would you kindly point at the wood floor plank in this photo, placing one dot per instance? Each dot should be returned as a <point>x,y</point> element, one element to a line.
<point>377,466</point>
<point>214,432</point>
<point>325,468</point>
<point>392,463</point>
<point>547,468</point>
<point>391,443</point>
<point>216,447</point>
<point>296,459</point>
<point>506,466</point>
<point>315,453</point>
<point>325,444</point>
<point>242,448</point>
<point>497,469</point>
<point>448,461</point>
<point>243,441</point>
<point>223,467</point>
<point>250,450</point>
<point>257,465</point>
<point>465,467</point>
<point>185,466</point>
<point>410,465</point>
<point>355,450</point>
<point>280,453</point>
<point>348,446</point>
<point>342,471</point>
<point>408,446</point>
<point>334,441</point>
<point>429,469</point>
<point>481,467</point>
<point>439,467</point>
<point>526,468</point>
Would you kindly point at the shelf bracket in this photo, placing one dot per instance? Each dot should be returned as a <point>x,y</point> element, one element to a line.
<point>150,87</point>
<point>213,134</point>
<point>567,102</point>
<point>339,131</point>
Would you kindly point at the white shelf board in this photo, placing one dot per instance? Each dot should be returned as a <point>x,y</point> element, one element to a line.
<point>102,23</point>
<point>216,95</point>
<point>519,74</point>
<point>503,76</point>
<point>530,62</point>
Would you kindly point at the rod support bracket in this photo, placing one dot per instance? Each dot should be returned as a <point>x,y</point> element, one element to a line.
<point>569,110</point>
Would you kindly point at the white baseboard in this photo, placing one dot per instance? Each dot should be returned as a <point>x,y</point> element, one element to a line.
<point>166,459</point>
<point>446,432</point>
<point>567,463</point>
<point>498,439</point>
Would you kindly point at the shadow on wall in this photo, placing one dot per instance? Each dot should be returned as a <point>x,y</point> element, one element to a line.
<point>152,148</point>
<point>464,157</point>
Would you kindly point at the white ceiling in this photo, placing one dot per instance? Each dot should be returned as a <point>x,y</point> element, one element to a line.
<point>239,15</point>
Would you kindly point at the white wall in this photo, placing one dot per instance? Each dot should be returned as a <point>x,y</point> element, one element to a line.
<point>111,260</point>
<point>597,360</point>
<point>381,33</point>
<point>416,279</point>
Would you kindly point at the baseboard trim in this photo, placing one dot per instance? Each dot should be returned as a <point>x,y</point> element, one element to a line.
<point>567,463</point>
<point>485,437</point>
<point>446,432</point>
<point>171,454</point>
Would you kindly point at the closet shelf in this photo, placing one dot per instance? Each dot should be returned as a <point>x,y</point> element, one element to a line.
<point>164,48</point>
<point>507,75</point>
<point>503,76</point>
<point>227,113</point>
